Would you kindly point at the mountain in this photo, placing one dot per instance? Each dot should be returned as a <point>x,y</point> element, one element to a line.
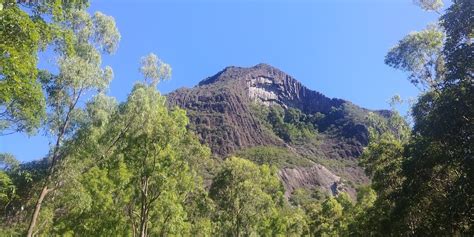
<point>265,115</point>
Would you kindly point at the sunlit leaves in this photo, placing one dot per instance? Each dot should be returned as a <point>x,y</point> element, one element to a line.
<point>106,34</point>
<point>21,101</point>
<point>459,24</point>
<point>419,54</point>
<point>429,5</point>
<point>154,69</point>
<point>77,73</point>
<point>246,196</point>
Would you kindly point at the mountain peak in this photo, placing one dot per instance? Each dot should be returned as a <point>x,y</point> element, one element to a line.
<point>231,73</point>
<point>264,65</point>
<point>267,85</point>
<point>230,112</point>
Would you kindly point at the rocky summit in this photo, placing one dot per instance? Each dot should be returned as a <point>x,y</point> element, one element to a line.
<point>265,115</point>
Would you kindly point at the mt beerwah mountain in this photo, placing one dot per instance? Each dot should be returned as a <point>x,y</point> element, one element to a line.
<point>265,115</point>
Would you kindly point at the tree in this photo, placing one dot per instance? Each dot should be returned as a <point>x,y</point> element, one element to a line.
<point>419,53</point>
<point>458,25</point>
<point>382,161</point>
<point>154,69</point>
<point>79,73</point>
<point>429,5</point>
<point>246,197</point>
<point>362,223</point>
<point>328,218</point>
<point>19,184</point>
<point>25,30</point>
<point>162,179</point>
<point>131,170</point>
<point>432,183</point>
<point>7,186</point>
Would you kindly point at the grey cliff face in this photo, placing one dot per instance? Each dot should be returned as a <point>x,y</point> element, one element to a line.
<point>267,85</point>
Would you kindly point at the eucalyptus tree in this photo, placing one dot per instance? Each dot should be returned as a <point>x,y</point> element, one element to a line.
<point>430,5</point>
<point>150,148</point>
<point>438,166</point>
<point>424,184</point>
<point>132,167</point>
<point>419,54</point>
<point>27,27</point>
<point>249,201</point>
<point>157,150</point>
<point>80,74</point>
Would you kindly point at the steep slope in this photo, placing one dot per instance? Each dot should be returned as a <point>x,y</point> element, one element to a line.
<point>242,108</point>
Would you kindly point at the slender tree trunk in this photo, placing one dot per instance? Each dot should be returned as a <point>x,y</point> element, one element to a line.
<point>44,192</point>
<point>144,209</point>
<point>143,227</point>
<point>36,212</point>
<point>52,167</point>
<point>45,189</point>
<point>143,221</point>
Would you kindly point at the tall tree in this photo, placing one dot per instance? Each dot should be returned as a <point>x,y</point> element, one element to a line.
<point>138,162</point>
<point>249,201</point>
<point>419,53</point>
<point>80,73</point>
<point>429,187</point>
<point>439,157</point>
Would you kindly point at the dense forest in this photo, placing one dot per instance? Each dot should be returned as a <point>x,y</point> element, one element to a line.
<point>138,168</point>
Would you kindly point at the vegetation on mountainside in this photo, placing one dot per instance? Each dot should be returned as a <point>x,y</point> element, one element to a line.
<point>291,124</point>
<point>276,156</point>
<point>135,169</point>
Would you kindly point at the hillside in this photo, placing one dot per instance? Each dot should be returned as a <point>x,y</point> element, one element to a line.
<point>263,114</point>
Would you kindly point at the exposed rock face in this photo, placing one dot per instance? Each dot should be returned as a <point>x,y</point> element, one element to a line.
<point>311,177</point>
<point>221,112</point>
<point>268,86</point>
<point>222,117</point>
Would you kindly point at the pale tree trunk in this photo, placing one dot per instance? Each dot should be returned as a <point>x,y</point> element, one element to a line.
<point>52,167</point>
<point>144,209</point>
<point>44,192</point>
<point>36,212</point>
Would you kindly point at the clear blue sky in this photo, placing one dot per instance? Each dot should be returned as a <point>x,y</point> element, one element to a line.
<point>336,47</point>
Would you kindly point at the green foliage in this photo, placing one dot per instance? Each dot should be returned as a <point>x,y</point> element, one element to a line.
<point>7,189</point>
<point>349,122</point>
<point>288,221</point>
<point>424,183</point>
<point>437,164</point>
<point>429,5</point>
<point>134,168</point>
<point>276,156</point>
<point>18,182</point>
<point>154,69</point>
<point>80,74</point>
<point>419,54</point>
<point>303,197</point>
<point>26,28</point>
<point>459,27</point>
<point>249,199</point>
<point>291,124</point>
<point>21,100</point>
<point>382,161</point>
<point>328,218</point>
<point>137,178</point>
<point>151,150</point>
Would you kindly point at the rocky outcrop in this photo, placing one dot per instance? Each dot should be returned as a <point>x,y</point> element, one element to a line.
<point>222,118</point>
<point>316,176</point>
<point>269,86</point>
<point>221,109</point>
